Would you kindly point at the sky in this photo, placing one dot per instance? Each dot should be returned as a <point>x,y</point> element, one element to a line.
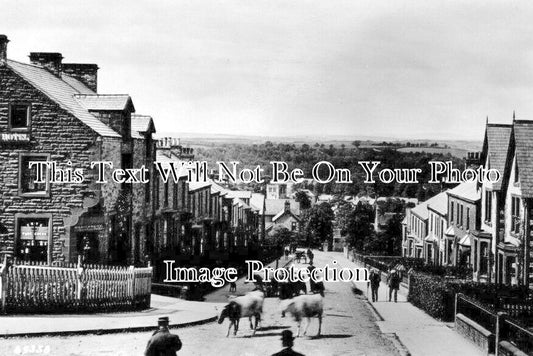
<point>400,69</point>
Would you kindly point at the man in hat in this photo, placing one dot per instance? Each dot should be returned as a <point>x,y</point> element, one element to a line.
<point>287,341</point>
<point>374,280</point>
<point>393,281</point>
<point>163,343</point>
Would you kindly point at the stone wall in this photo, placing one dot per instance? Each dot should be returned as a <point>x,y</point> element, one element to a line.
<point>63,138</point>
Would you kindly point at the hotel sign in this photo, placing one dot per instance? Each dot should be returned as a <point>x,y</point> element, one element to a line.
<point>14,137</point>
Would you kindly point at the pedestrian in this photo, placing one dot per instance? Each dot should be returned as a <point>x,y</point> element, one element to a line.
<point>232,287</point>
<point>287,341</point>
<point>286,254</point>
<point>374,280</point>
<point>312,282</point>
<point>310,255</point>
<point>162,342</point>
<point>393,281</point>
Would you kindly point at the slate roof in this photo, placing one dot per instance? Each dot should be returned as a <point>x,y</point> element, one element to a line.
<point>283,212</point>
<point>496,147</point>
<point>421,210</point>
<point>76,84</point>
<point>467,191</point>
<point>241,194</point>
<point>274,206</point>
<point>104,102</point>
<point>61,92</point>
<point>257,200</point>
<point>141,123</point>
<point>523,137</point>
<point>165,160</point>
<point>440,205</point>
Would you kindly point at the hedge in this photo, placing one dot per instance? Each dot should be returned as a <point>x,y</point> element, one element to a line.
<point>436,294</point>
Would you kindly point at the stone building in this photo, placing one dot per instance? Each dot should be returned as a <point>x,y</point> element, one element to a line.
<point>51,111</point>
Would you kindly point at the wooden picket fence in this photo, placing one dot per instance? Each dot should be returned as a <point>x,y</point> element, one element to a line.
<point>33,288</point>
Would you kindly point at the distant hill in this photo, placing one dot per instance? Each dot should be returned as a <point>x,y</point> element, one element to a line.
<point>457,148</point>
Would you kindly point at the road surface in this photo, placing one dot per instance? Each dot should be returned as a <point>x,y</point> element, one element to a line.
<point>348,329</point>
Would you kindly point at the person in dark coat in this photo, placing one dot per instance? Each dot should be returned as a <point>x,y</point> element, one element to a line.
<point>393,281</point>
<point>287,341</point>
<point>310,256</point>
<point>163,343</point>
<point>374,280</point>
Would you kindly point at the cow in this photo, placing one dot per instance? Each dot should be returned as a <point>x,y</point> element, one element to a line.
<point>249,305</point>
<point>305,306</point>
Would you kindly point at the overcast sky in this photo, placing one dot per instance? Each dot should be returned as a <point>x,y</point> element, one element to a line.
<point>406,69</point>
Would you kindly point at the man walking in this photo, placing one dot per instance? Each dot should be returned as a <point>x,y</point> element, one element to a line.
<point>162,342</point>
<point>393,282</point>
<point>310,256</point>
<point>374,280</point>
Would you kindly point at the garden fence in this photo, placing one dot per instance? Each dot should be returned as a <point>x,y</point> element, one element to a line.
<point>36,288</point>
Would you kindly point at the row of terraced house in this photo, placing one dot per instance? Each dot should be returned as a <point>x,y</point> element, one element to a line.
<point>486,226</point>
<point>51,111</point>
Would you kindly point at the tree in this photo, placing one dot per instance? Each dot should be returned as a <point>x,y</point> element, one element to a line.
<point>302,198</point>
<point>282,236</point>
<point>318,224</point>
<point>359,227</point>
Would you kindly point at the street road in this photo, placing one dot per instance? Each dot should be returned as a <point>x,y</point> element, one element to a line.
<point>348,329</point>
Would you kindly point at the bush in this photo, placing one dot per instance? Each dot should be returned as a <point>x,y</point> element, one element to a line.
<point>436,294</point>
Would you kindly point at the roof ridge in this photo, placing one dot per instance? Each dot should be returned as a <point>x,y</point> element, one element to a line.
<point>96,94</point>
<point>26,64</point>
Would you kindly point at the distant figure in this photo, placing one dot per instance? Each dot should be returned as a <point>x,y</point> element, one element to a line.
<point>287,253</point>
<point>393,281</point>
<point>163,343</point>
<point>287,341</point>
<point>374,279</point>
<point>310,255</point>
<point>232,286</point>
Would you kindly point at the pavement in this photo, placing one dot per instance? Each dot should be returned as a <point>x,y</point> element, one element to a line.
<point>418,332</point>
<point>181,313</point>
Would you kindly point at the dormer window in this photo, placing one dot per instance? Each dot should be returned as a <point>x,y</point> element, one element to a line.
<point>19,117</point>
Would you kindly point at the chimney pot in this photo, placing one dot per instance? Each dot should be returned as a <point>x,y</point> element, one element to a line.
<point>3,48</point>
<point>48,60</point>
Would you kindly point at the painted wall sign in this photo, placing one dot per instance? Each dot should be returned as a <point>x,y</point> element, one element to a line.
<point>14,137</point>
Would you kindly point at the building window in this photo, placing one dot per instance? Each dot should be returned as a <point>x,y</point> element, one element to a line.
<point>28,176</point>
<point>515,214</point>
<point>33,236</point>
<point>468,218</point>
<point>165,197</point>
<point>19,117</point>
<point>516,176</point>
<point>460,220</point>
<point>488,206</point>
<point>451,212</point>
<point>293,226</point>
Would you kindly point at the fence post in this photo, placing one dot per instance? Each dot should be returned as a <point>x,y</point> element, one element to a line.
<point>132,285</point>
<point>500,317</point>
<point>79,283</point>
<point>3,284</point>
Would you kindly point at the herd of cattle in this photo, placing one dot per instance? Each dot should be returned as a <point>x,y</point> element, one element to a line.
<point>291,301</point>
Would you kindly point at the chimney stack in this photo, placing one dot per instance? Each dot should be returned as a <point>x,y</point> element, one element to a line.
<point>3,48</point>
<point>287,207</point>
<point>85,73</point>
<point>48,60</point>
